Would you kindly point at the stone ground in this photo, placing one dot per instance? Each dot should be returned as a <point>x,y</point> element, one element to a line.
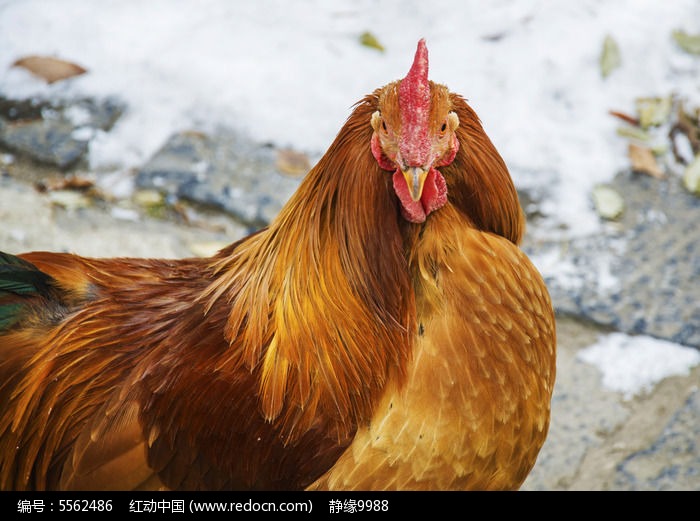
<point>600,441</point>
<point>597,441</point>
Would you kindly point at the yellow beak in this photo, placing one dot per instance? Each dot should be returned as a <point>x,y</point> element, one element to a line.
<point>415,179</point>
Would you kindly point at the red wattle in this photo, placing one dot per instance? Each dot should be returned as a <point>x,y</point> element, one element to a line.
<point>411,210</point>
<point>434,192</point>
<point>384,162</point>
<point>434,196</point>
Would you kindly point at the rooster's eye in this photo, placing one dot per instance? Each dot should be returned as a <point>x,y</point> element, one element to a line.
<point>384,126</point>
<point>443,127</point>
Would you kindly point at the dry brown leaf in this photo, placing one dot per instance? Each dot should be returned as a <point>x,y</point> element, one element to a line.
<point>292,163</point>
<point>625,117</point>
<point>643,160</point>
<point>73,182</point>
<point>689,125</point>
<point>48,68</point>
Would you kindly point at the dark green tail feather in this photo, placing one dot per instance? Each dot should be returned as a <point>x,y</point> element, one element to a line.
<point>19,282</point>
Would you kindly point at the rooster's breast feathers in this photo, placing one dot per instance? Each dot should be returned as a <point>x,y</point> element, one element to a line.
<point>474,410</point>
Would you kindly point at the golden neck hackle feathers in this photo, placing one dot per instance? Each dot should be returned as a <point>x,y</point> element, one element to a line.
<point>478,182</point>
<point>481,194</point>
<point>333,301</point>
<point>330,288</point>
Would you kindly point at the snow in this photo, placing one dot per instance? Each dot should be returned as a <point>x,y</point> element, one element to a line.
<point>632,365</point>
<point>289,73</point>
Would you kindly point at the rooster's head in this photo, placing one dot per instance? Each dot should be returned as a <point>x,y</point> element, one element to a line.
<point>414,133</point>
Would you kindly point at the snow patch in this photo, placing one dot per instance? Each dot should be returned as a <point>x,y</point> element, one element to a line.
<point>633,365</point>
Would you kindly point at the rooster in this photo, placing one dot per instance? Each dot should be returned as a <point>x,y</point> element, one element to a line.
<point>383,332</point>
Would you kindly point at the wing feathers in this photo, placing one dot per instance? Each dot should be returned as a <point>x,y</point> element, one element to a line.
<point>110,453</point>
<point>21,285</point>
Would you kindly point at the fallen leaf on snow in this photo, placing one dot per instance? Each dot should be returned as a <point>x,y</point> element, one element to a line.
<point>48,68</point>
<point>369,40</point>
<point>688,42</point>
<point>608,203</point>
<point>688,125</point>
<point>610,56</point>
<point>625,117</point>
<point>633,133</point>
<point>643,160</point>
<point>654,111</point>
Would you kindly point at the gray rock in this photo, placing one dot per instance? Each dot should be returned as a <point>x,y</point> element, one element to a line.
<point>673,461</point>
<point>226,171</point>
<point>56,133</point>
<point>642,274</point>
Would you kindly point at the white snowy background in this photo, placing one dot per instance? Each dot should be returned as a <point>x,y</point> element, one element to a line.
<point>289,71</point>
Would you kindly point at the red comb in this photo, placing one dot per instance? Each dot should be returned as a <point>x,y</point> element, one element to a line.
<point>414,99</point>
